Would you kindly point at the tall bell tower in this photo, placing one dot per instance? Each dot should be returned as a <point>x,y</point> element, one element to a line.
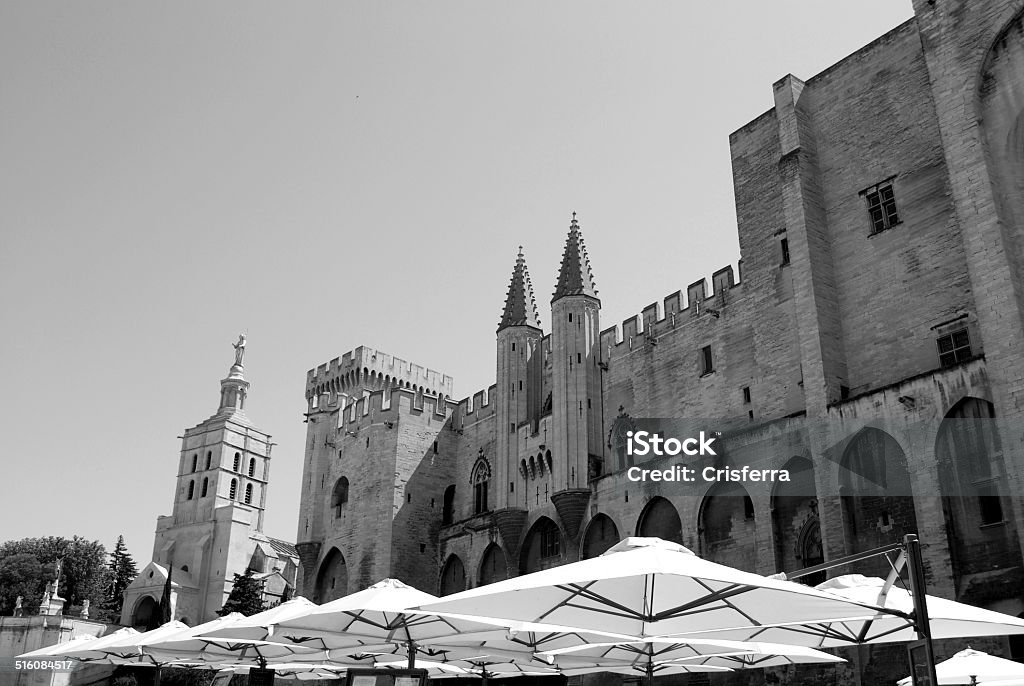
<point>576,379</point>
<point>216,520</point>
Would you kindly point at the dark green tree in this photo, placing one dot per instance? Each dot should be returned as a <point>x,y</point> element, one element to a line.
<point>20,575</point>
<point>121,572</point>
<point>246,595</point>
<point>83,569</point>
<point>166,613</point>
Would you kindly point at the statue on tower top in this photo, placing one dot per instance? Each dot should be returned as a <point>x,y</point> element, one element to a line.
<point>239,349</point>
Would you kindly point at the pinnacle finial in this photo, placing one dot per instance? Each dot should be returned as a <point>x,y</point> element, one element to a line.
<point>575,276</point>
<point>520,303</point>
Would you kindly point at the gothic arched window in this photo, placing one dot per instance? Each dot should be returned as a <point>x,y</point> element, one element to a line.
<point>481,478</point>
<point>195,461</point>
<point>252,466</point>
<point>191,489</point>
<point>206,482</point>
<point>233,492</point>
<point>209,457</point>
<point>238,462</point>
<point>248,494</point>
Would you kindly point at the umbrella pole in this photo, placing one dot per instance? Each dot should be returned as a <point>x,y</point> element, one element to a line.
<point>412,655</point>
<point>915,566</point>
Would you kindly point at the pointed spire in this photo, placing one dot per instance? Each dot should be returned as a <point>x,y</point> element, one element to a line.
<point>575,276</point>
<point>520,305</point>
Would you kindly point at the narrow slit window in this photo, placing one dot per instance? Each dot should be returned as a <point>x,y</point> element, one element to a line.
<point>707,363</point>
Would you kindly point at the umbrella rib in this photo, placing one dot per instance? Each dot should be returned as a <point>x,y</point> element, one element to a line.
<point>712,597</point>
<point>575,590</point>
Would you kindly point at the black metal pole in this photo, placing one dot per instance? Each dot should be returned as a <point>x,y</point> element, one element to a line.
<point>849,559</point>
<point>921,623</point>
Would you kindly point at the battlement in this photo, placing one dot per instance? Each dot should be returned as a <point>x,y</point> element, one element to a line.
<point>366,369</point>
<point>475,407</point>
<point>658,318</point>
<point>382,406</point>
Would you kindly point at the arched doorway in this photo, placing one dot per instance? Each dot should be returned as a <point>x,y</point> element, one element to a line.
<point>332,579</point>
<point>661,520</point>
<point>726,527</point>
<point>494,566</point>
<point>542,548</point>
<point>146,615</point>
<point>453,576</point>
<point>601,535</point>
<point>795,520</point>
<point>969,456</point>
<point>875,495</point>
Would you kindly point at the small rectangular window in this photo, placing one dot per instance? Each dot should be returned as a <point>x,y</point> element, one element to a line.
<point>746,394</point>
<point>513,345</point>
<point>512,428</point>
<point>784,245</point>
<point>549,543</point>
<point>989,504</point>
<point>881,206</point>
<point>707,364</point>
<point>954,348</point>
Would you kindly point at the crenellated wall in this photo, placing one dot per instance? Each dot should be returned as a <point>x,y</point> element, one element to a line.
<point>366,368</point>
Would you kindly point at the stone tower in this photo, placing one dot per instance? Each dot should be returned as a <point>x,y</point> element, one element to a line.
<point>216,521</point>
<point>519,385</point>
<point>576,380</point>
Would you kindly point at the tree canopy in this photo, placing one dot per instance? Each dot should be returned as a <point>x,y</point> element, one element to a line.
<point>246,595</point>
<point>83,571</point>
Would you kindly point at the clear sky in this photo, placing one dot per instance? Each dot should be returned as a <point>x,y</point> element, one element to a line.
<point>325,175</point>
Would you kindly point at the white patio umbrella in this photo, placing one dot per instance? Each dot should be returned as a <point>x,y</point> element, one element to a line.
<point>482,668</point>
<point>376,615</point>
<point>302,671</point>
<point>647,587</point>
<point>71,647</point>
<point>120,647</point>
<point>649,671</point>
<point>513,640</point>
<point>58,648</point>
<point>260,626</point>
<point>717,653</point>
<point>947,618</point>
<point>197,645</point>
<point>975,667</point>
